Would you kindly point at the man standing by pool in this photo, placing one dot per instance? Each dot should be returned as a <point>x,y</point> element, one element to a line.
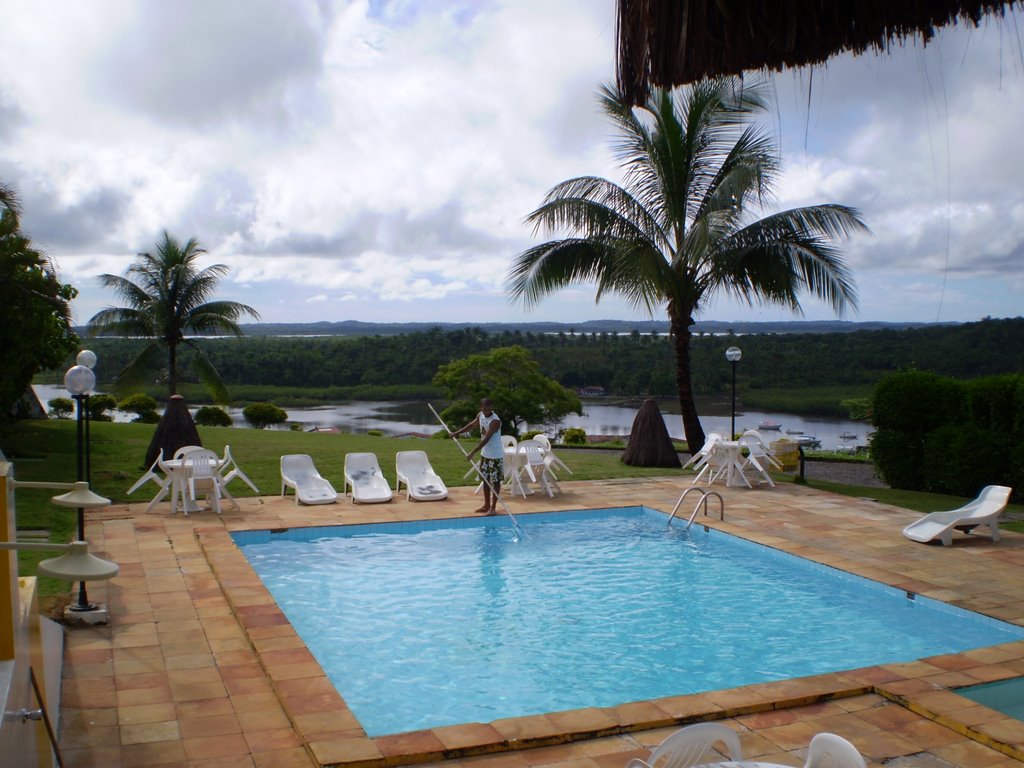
<point>492,468</point>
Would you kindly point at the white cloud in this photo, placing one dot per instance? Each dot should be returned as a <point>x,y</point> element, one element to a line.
<point>378,158</point>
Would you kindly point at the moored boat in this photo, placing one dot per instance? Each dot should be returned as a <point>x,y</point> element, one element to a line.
<point>770,425</point>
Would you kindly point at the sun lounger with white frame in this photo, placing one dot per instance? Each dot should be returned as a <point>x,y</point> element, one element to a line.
<point>983,511</point>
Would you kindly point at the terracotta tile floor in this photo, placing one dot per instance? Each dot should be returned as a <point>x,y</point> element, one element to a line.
<point>200,668</point>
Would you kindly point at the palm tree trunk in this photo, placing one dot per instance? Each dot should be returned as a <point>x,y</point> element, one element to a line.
<point>172,374</point>
<point>688,408</point>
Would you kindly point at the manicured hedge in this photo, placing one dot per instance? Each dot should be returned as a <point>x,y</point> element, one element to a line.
<point>949,436</point>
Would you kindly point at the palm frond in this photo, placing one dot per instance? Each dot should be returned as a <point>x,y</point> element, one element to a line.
<point>140,369</point>
<point>208,374</point>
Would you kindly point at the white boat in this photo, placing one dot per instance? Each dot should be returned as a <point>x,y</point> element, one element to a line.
<point>808,441</point>
<point>847,436</point>
<point>794,431</point>
<point>768,424</point>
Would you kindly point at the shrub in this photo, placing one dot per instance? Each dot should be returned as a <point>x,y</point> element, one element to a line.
<point>898,456</point>
<point>574,436</point>
<point>961,459</point>
<point>61,407</point>
<point>142,405</point>
<point>991,402</point>
<point>915,401</point>
<point>262,415</point>
<point>531,434</point>
<point>99,405</point>
<point>212,416</point>
<point>374,433</point>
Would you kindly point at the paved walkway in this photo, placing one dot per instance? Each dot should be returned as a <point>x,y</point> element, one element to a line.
<point>201,668</point>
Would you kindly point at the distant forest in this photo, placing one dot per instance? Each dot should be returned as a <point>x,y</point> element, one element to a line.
<point>634,362</point>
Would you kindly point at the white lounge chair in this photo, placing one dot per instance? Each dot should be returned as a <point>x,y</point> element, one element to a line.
<point>983,511</point>
<point>422,483</point>
<point>830,751</point>
<point>691,745</point>
<point>364,478</point>
<point>299,472</point>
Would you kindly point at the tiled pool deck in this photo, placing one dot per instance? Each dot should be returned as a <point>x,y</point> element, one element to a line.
<point>200,668</point>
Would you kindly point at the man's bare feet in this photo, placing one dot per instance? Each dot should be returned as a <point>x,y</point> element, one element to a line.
<point>492,511</point>
<point>481,510</point>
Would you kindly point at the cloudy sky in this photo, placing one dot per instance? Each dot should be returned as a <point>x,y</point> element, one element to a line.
<point>375,160</point>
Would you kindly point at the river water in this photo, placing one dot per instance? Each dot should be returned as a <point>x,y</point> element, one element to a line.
<point>599,418</point>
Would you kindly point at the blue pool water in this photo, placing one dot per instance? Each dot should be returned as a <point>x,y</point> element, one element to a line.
<point>434,623</point>
<point>1006,696</point>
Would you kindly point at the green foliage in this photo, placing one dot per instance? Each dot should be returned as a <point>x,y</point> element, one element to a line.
<point>945,435</point>
<point>511,378</point>
<point>263,415</point>
<point>961,459</point>
<point>167,298</point>
<point>785,372</point>
<point>61,407</point>
<point>35,313</point>
<point>374,433</point>
<point>858,408</point>
<point>681,228</point>
<point>212,416</point>
<point>142,405</point>
<point>915,402</point>
<point>574,436</point>
<point>898,457</point>
<point>99,405</point>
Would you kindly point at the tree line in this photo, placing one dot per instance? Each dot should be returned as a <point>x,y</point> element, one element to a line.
<point>636,364</point>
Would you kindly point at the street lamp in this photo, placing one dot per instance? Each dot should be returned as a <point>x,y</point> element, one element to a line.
<point>733,355</point>
<point>79,381</point>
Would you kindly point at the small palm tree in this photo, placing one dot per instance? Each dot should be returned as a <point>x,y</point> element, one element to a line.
<point>167,296</point>
<point>677,232</point>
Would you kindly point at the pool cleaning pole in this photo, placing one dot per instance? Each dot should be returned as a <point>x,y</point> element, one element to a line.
<point>515,523</point>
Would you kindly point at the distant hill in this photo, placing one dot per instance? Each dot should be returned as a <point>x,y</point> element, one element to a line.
<point>359,328</point>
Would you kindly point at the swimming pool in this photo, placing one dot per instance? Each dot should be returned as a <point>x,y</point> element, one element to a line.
<point>425,624</point>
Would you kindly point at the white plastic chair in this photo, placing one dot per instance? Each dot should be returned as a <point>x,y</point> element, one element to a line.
<point>508,442</point>
<point>532,463</point>
<point>177,484</point>
<point>549,455</point>
<point>185,450</point>
<point>690,746</point>
<point>202,468</point>
<point>299,472</point>
<point>364,478</point>
<point>756,457</point>
<point>229,470</point>
<point>830,751</point>
<point>761,449</point>
<point>422,483</point>
<point>698,457</point>
<point>163,480</point>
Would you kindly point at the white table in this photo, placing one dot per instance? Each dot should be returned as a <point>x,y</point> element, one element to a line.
<point>732,453</point>
<point>179,470</point>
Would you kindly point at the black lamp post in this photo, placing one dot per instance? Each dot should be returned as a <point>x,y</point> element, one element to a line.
<point>79,381</point>
<point>733,355</point>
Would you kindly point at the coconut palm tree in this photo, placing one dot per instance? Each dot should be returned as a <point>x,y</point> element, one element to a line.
<point>167,296</point>
<point>677,231</point>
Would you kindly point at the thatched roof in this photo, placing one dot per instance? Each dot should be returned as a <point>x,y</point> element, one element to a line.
<point>649,442</point>
<point>671,42</point>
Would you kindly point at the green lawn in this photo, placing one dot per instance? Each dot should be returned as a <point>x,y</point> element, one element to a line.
<point>45,450</point>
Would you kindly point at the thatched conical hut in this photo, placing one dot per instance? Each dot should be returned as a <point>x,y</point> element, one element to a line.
<point>175,430</point>
<point>649,442</point>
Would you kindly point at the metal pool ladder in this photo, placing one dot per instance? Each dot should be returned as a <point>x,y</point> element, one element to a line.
<point>701,502</point>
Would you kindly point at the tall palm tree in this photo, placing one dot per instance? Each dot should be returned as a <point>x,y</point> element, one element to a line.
<point>167,294</point>
<point>677,231</point>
